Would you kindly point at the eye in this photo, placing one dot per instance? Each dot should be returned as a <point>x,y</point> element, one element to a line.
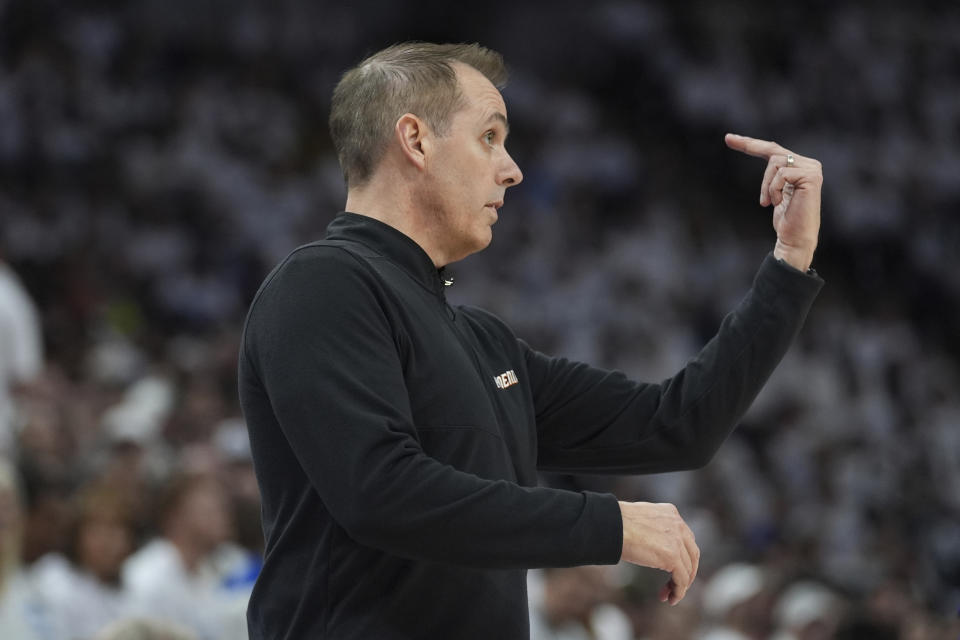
<point>489,137</point>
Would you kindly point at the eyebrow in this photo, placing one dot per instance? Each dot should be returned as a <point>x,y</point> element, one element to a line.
<point>496,115</point>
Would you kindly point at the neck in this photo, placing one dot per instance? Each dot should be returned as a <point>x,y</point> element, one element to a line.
<point>399,208</point>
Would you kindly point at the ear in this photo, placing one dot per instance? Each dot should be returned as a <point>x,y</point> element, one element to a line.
<point>411,132</point>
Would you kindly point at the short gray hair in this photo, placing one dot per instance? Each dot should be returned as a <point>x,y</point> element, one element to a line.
<point>410,77</point>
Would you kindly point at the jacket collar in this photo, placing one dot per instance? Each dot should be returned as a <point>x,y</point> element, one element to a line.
<point>390,243</point>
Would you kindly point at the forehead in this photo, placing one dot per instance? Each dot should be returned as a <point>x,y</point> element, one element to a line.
<point>480,96</point>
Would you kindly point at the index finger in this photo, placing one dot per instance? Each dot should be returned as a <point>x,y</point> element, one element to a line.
<point>753,146</point>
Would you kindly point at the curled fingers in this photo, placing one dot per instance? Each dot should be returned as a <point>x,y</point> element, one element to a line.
<point>783,181</point>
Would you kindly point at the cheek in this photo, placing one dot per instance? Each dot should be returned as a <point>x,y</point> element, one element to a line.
<point>465,170</point>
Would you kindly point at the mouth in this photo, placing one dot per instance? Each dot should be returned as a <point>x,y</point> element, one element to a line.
<point>495,205</point>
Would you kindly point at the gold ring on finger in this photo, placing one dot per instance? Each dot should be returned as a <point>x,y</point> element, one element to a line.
<point>790,160</point>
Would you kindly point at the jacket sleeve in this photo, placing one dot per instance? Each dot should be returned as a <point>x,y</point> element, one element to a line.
<point>591,420</point>
<point>321,341</point>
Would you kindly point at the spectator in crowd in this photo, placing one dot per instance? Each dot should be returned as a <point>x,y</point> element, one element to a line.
<point>179,575</point>
<point>240,484</point>
<point>47,494</point>
<point>21,349</point>
<point>807,610</point>
<point>18,607</point>
<point>86,594</point>
<point>736,602</point>
<point>577,604</point>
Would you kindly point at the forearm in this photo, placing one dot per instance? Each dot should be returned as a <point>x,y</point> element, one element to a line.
<point>616,425</point>
<point>424,510</point>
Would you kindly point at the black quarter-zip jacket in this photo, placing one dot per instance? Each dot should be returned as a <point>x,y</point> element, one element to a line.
<point>396,440</point>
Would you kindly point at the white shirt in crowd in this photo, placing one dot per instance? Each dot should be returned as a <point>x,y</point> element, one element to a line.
<point>160,586</point>
<point>75,604</point>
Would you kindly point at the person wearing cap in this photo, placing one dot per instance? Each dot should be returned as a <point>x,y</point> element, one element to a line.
<point>397,438</point>
<point>736,603</point>
<point>807,610</point>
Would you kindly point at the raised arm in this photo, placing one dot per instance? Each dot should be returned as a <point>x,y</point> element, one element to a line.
<point>594,420</point>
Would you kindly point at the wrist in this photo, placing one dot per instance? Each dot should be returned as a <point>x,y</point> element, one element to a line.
<point>798,258</point>
<point>626,530</point>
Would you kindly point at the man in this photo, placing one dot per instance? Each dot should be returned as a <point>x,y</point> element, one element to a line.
<point>396,439</point>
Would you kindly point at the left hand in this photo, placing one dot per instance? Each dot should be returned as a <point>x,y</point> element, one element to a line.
<point>795,193</point>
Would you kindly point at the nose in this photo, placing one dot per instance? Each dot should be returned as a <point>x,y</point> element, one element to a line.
<point>510,174</point>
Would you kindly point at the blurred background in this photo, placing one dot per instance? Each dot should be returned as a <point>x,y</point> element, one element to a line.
<point>158,157</point>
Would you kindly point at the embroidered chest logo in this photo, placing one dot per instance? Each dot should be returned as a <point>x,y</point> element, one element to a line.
<point>506,379</point>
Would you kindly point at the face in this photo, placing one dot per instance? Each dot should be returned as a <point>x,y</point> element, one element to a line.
<point>469,170</point>
<point>206,510</point>
<point>103,545</point>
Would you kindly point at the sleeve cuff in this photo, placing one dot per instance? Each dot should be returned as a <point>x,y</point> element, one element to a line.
<point>609,528</point>
<point>810,272</point>
<point>778,277</point>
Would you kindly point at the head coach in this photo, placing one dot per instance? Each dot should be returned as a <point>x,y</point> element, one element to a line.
<point>397,438</point>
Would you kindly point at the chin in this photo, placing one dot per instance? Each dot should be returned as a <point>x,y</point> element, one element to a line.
<point>484,240</point>
<point>477,244</point>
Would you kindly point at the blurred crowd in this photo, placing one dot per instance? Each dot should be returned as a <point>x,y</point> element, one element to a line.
<point>156,158</point>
